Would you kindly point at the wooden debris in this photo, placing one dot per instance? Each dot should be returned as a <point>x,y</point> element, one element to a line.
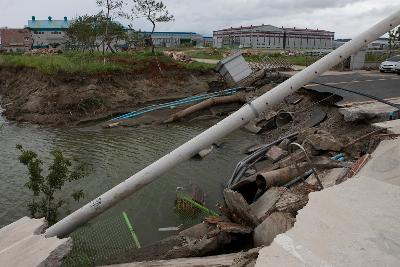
<point>215,220</point>
<point>364,137</point>
<point>295,199</point>
<point>239,211</point>
<point>230,227</point>
<point>358,165</point>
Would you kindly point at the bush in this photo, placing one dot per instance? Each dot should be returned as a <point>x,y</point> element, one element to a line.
<point>44,202</point>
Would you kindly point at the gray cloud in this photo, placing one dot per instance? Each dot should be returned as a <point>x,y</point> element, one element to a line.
<point>345,17</point>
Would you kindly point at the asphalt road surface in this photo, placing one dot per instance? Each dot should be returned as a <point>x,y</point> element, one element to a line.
<point>382,85</point>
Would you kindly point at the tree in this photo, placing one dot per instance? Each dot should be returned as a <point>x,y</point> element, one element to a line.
<point>394,39</point>
<point>111,9</point>
<point>86,31</point>
<point>111,32</point>
<point>153,11</point>
<point>134,38</point>
<point>44,202</point>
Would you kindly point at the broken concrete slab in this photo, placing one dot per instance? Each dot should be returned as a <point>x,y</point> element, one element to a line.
<point>384,164</point>
<point>352,224</point>
<point>324,141</point>
<point>277,223</point>
<point>264,205</point>
<point>21,244</point>
<point>19,230</point>
<point>317,116</point>
<point>330,178</point>
<point>393,127</point>
<point>253,128</point>
<point>275,153</point>
<point>371,111</point>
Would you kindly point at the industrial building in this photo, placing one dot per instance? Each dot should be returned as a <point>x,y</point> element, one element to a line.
<point>15,40</point>
<point>52,33</point>
<point>208,41</point>
<point>271,37</point>
<point>48,33</point>
<point>175,39</point>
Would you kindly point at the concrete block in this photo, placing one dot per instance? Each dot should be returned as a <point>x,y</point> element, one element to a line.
<point>277,223</point>
<point>276,153</point>
<point>21,245</point>
<point>19,230</point>
<point>266,202</point>
<point>329,178</point>
<point>384,164</point>
<point>393,127</point>
<point>355,223</point>
<point>324,141</point>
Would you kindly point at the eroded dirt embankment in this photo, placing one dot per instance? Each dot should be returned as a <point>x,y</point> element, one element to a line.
<point>29,95</point>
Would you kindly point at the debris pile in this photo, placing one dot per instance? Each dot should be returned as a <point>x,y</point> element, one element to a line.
<point>179,56</point>
<point>44,51</point>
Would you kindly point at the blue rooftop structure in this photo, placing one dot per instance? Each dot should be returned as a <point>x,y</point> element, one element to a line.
<point>48,25</point>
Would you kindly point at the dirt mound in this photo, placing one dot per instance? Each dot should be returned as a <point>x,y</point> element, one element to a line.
<point>29,95</point>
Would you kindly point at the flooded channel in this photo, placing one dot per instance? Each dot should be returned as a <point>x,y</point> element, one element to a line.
<point>114,155</point>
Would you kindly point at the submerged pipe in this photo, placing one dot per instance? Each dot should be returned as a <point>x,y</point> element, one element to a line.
<point>221,129</point>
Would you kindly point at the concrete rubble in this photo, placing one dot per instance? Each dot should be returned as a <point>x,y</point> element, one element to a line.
<point>359,218</point>
<point>292,200</point>
<point>23,244</point>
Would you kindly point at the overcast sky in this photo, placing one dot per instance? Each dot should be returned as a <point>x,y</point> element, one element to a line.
<point>345,17</point>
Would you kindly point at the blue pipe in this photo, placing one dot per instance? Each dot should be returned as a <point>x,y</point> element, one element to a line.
<point>176,103</point>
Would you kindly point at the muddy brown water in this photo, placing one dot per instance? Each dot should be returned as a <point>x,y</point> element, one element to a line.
<point>114,155</point>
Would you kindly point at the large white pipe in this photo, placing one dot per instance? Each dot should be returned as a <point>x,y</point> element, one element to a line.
<point>221,129</point>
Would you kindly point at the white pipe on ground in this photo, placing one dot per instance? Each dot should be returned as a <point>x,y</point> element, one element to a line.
<point>221,129</point>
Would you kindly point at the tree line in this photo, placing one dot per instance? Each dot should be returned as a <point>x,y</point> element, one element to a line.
<point>103,32</point>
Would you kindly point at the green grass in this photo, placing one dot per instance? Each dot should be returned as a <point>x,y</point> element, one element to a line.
<point>66,63</point>
<point>219,54</point>
<point>206,53</point>
<point>83,63</point>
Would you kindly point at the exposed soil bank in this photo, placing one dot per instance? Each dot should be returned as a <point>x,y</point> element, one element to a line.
<point>29,95</point>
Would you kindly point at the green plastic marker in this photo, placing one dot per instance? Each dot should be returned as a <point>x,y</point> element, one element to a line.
<point>128,223</point>
<point>197,205</point>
